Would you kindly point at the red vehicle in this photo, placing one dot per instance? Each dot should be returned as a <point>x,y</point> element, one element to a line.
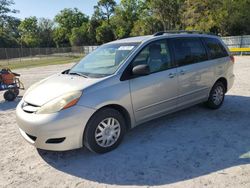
<point>10,83</point>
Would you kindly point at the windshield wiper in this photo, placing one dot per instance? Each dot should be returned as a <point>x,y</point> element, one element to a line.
<point>78,74</point>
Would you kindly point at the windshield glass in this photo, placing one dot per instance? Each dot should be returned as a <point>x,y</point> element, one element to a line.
<point>103,61</point>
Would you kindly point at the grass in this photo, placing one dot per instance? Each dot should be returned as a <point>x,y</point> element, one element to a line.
<point>28,63</point>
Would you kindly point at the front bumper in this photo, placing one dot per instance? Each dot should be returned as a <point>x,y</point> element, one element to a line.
<point>69,124</point>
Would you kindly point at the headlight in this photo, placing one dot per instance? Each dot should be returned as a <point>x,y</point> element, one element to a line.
<point>65,101</point>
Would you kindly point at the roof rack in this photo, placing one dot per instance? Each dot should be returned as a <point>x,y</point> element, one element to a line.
<point>182,32</point>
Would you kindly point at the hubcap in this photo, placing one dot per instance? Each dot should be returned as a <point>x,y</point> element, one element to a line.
<point>107,132</point>
<point>218,95</point>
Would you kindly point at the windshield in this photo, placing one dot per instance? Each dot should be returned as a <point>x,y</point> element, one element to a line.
<point>103,61</point>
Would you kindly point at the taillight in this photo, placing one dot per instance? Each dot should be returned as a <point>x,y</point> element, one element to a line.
<point>232,58</point>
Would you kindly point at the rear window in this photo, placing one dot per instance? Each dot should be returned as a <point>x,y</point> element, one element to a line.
<point>188,51</point>
<point>215,48</point>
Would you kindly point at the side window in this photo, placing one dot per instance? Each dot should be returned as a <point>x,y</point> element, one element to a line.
<point>156,55</point>
<point>215,48</point>
<point>188,51</point>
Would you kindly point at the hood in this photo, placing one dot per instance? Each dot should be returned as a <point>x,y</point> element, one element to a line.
<point>56,86</point>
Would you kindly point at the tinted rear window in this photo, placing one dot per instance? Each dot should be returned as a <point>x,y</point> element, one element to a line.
<point>188,51</point>
<point>215,48</point>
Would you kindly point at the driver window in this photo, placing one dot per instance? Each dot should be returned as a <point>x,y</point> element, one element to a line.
<point>156,55</point>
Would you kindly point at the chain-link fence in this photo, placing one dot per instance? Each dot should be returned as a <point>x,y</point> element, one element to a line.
<point>237,41</point>
<point>23,54</point>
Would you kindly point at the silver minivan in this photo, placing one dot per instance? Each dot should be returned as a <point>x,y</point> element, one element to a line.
<point>123,84</point>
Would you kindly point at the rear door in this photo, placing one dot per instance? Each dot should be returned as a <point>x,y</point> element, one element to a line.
<point>194,70</point>
<point>219,55</point>
<point>154,94</point>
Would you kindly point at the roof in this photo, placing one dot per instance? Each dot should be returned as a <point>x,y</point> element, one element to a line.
<point>133,39</point>
<point>140,39</point>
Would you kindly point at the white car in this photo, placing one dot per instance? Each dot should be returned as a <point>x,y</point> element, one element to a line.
<point>123,84</point>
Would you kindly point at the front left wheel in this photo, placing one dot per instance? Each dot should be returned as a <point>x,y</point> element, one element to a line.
<point>104,131</point>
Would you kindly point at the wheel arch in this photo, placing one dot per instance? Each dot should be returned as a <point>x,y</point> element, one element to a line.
<point>120,109</point>
<point>224,81</point>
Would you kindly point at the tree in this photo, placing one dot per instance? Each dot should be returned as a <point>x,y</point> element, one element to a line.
<point>234,17</point>
<point>80,36</point>
<point>11,27</point>
<point>4,12</point>
<point>10,34</point>
<point>46,27</point>
<point>61,37</point>
<point>68,19</point>
<point>126,14</point>
<point>110,21</point>
<point>8,25</point>
<point>92,27</point>
<point>104,33</point>
<point>201,14</point>
<point>7,41</point>
<point>167,11</point>
<point>146,26</point>
<point>29,32</point>
<point>104,9</point>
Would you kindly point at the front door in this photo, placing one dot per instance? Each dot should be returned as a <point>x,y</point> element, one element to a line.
<point>154,94</point>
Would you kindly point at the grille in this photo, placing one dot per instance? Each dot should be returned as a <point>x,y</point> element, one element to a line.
<point>29,108</point>
<point>55,140</point>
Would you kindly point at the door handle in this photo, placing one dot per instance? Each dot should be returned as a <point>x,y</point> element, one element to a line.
<point>171,75</point>
<point>182,72</point>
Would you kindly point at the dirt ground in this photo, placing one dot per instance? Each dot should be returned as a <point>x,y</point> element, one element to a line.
<point>196,147</point>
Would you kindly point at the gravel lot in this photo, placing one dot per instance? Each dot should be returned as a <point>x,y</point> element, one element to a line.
<point>196,147</point>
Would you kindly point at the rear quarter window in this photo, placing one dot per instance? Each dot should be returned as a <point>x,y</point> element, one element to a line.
<point>215,48</point>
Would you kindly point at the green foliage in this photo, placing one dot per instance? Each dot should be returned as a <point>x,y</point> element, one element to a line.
<point>146,26</point>
<point>227,17</point>
<point>105,9</point>
<point>68,19</point>
<point>201,15</point>
<point>61,37</point>
<point>80,36</point>
<point>235,19</point>
<point>146,22</point>
<point>8,25</point>
<point>92,26</point>
<point>167,11</point>
<point>126,14</point>
<point>7,41</point>
<point>104,33</point>
<point>4,12</point>
<point>29,32</point>
<point>46,27</point>
<point>112,21</point>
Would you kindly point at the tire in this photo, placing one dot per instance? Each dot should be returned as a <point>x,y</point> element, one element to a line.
<point>216,96</point>
<point>16,91</point>
<point>95,139</point>
<point>9,95</point>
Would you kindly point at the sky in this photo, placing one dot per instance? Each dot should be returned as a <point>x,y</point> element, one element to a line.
<point>49,8</point>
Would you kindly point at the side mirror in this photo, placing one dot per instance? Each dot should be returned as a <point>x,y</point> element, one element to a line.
<point>141,70</point>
